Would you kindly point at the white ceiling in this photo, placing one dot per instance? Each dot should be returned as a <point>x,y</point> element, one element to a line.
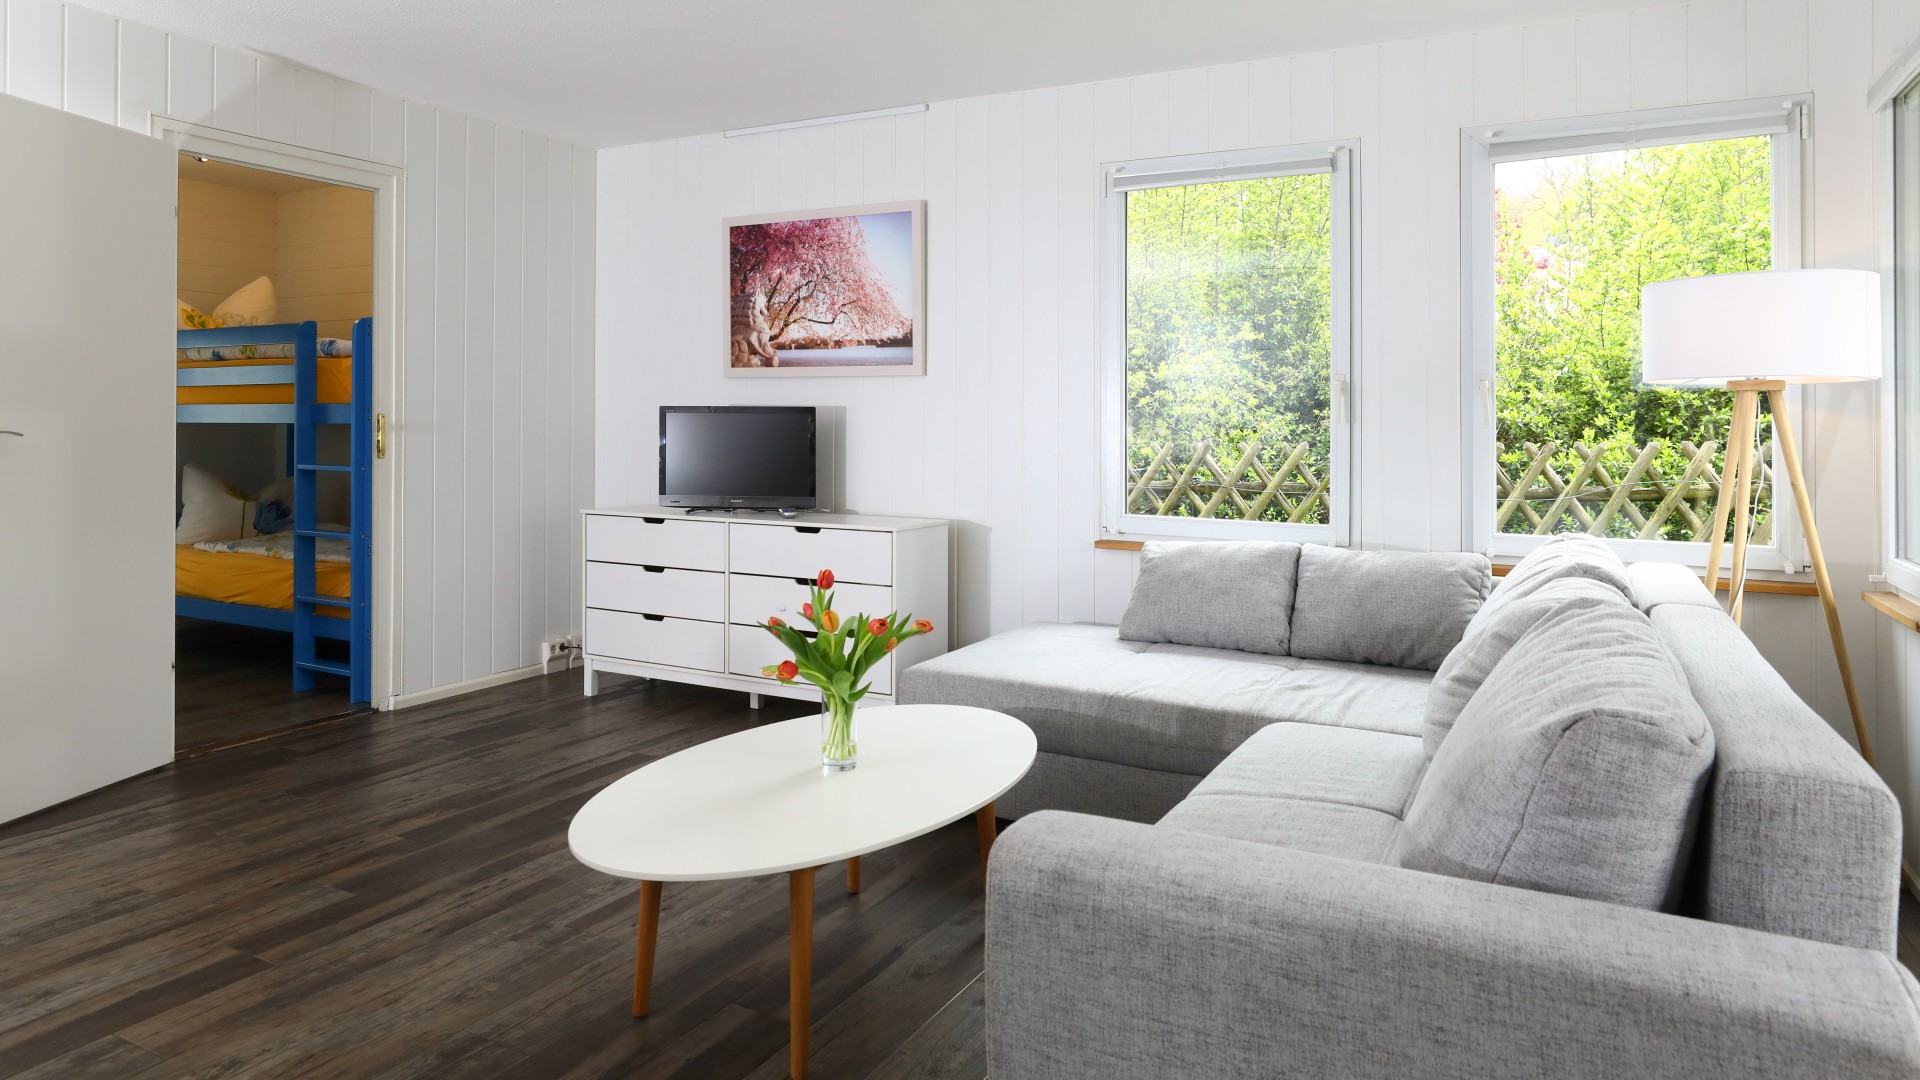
<point>609,72</point>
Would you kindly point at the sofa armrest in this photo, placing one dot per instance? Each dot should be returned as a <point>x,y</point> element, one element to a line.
<point>1121,951</point>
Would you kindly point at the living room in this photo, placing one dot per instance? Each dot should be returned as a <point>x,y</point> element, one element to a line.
<point>1201,464</point>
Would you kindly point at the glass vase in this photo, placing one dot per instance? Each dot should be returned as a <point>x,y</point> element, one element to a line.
<point>839,734</point>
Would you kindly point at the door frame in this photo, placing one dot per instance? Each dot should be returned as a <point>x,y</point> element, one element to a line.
<point>386,182</point>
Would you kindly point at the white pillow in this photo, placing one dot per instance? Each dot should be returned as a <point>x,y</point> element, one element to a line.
<point>210,509</point>
<point>253,304</point>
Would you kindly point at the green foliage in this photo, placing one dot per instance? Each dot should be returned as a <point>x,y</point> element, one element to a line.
<point>1229,336</point>
<point>1575,240</point>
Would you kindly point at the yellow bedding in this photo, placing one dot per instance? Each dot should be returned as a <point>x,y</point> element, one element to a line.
<point>258,580</point>
<point>333,385</point>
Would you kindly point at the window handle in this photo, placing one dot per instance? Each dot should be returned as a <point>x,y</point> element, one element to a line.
<point>1341,406</point>
<point>1486,402</point>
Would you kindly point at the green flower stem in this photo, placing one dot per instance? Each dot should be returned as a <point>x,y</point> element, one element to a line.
<point>836,741</point>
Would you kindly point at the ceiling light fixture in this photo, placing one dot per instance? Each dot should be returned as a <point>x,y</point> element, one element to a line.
<point>816,121</point>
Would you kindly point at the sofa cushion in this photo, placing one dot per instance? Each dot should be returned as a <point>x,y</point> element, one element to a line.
<point>1489,637</point>
<point>1801,837</point>
<point>1087,693</point>
<point>1563,556</point>
<point>1577,768</point>
<point>1399,608</point>
<point>1333,791</point>
<point>1223,595</point>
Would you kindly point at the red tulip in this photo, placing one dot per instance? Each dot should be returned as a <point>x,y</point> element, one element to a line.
<point>786,671</point>
<point>807,610</point>
<point>876,627</point>
<point>825,580</point>
<point>774,620</point>
<point>923,626</point>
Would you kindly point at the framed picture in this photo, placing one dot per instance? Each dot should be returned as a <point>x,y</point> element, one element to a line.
<point>828,292</point>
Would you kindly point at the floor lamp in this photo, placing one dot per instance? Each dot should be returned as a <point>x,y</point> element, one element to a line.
<point>1754,334</point>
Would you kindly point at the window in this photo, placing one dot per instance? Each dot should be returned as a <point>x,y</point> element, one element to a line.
<point>1226,345</point>
<point>1906,336</point>
<point>1568,227</point>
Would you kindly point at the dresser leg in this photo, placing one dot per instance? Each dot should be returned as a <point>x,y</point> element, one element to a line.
<point>643,950</point>
<point>592,677</point>
<point>753,701</point>
<point>799,968</point>
<point>983,820</point>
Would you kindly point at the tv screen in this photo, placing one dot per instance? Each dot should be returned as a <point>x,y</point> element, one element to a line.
<point>747,456</point>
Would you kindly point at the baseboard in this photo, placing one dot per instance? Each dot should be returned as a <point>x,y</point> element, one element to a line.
<point>465,686</point>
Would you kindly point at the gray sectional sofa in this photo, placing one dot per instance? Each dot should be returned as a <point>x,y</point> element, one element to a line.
<point>1367,816</point>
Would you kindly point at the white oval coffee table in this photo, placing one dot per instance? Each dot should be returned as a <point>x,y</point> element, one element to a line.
<point>758,802</point>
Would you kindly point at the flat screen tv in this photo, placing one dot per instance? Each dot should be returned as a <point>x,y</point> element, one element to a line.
<point>754,457</point>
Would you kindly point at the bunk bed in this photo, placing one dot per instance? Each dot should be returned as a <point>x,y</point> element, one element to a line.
<point>278,375</point>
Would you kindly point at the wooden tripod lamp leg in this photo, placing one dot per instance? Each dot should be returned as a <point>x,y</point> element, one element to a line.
<point>1748,403</point>
<point>1737,434</point>
<point>1783,429</point>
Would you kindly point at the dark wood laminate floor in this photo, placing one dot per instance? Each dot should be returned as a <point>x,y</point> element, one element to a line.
<point>392,896</point>
<point>236,682</point>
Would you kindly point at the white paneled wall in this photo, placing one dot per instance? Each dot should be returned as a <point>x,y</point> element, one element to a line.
<point>496,269</point>
<point>1003,424</point>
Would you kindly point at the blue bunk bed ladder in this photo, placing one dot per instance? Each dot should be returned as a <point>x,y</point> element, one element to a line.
<point>307,467</point>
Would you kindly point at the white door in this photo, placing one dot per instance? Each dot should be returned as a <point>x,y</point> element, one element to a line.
<point>87,239</point>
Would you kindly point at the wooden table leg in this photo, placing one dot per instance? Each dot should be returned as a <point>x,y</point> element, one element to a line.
<point>983,818</point>
<point>799,968</point>
<point>643,951</point>
<point>853,874</point>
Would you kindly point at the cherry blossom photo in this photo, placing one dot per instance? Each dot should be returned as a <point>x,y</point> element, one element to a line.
<point>833,292</point>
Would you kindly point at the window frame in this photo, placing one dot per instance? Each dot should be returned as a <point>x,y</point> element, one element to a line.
<point>1903,77</point>
<point>1785,120</point>
<point>1337,159</point>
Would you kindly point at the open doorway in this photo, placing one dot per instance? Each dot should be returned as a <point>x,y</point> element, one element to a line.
<point>274,451</point>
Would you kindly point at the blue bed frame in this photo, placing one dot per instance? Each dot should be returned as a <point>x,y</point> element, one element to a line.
<point>303,419</point>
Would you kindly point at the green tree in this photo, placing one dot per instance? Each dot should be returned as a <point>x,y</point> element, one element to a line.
<point>1575,240</point>
<point>1229,337</point>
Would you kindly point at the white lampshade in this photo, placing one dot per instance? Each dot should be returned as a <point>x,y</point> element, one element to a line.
<point>1797,326</point>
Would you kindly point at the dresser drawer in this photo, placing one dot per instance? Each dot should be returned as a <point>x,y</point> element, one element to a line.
<point>686,594</point>
<point>674,642</point>
<point>674,542</point>
<point>752,598</point>
<point>797,551</point>
<point>749,648</point>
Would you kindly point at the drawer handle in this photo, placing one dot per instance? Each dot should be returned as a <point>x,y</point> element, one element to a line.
<point>654,618</point>
<point>654,569</point>
<point>654,521</point>
<point>802,581</point>
<point>808,529</point>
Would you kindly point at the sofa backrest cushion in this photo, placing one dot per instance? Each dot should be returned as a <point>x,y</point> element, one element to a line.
<point>1563,556</point>
<point>1397,608</point>
<point>1219,595</point>
<point>1800,836</point>
<point>1578,767</point>
<point>1490,637</point>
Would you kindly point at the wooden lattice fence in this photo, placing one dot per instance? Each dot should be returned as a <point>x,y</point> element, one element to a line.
<point>1175,482</point>
<point>1641,502</point>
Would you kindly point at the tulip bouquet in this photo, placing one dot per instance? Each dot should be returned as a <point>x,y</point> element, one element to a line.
<point>835,657</point>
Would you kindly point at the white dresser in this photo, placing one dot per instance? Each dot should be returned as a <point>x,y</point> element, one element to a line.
<point>678,596</point>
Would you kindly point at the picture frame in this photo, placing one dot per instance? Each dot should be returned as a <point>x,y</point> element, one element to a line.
<point>834,292</point>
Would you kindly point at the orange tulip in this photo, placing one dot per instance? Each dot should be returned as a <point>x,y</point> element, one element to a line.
<point>891,642</point>
<point>923,626</point>
<point>829,621</point>
<point>825,580</point>
<point>774,620</point>
<point>786,671</point>
<point>876,627</point>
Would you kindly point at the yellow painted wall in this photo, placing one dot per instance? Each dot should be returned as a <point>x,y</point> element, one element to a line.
<point>325,257</point>
<point>228,237</point>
